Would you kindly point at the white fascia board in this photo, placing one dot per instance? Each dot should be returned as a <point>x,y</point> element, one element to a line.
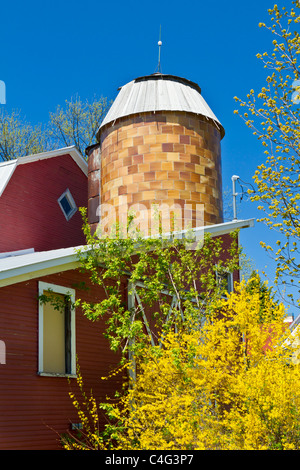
<point>30,266</point>
<point>214,230</point>
<point>72,150</point>
<point>8,162</point>
<point>8,254</point>
<point>227,227</point>
<point>6,171</point>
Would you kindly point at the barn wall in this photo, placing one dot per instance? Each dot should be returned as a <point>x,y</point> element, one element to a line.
<point>35,410</point>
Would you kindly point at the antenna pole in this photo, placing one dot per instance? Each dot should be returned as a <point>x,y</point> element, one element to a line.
<point>234,195</point>
<point>159,48</point>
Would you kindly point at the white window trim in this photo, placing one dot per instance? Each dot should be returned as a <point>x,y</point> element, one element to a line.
<point>69,196</point>
<point>44,286</point>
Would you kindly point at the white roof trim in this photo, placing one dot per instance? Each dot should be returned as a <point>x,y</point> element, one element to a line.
<point>72,150</point>
<point>214,230</point>
<point>33,265</point>
<point>8,254</point>
<point>7,168</point>
<point>29,266</point>
<point>227,227</point>
<point>6,171</point>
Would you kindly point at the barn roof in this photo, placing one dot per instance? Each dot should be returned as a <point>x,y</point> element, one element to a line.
<point>159,92</point>
<point>7,168</point>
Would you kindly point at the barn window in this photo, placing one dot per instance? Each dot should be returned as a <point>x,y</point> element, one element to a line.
<point>67,204</point>
<point>56,330</point>
<point>224,281</point>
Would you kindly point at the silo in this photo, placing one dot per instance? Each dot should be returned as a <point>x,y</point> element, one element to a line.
<point>158,155</point>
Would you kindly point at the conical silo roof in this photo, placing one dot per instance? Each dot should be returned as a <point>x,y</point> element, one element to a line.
<point>159,92</point>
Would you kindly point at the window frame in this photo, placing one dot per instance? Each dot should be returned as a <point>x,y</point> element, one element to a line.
<point>229,280</point>
<point>71,201</point>
<point>66,291</point>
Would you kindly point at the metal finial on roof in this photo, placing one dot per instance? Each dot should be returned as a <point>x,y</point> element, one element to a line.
<point>159,51</point>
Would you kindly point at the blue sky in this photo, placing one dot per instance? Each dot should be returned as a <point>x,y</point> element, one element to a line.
<point>53,51</point>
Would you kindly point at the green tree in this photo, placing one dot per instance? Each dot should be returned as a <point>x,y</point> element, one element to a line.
<point>18,137</point>
<point>167,281</point>
<point>273,116</point>
<point>74,124</point>
<point>77,122</point>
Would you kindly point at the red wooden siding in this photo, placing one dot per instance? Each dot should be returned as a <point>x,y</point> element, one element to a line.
<point>30,216</point>
<point>34,410</point>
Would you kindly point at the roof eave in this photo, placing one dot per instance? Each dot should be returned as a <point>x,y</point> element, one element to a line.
<point>38,268</point>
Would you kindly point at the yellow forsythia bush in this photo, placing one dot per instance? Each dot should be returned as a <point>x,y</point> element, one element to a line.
<point>230,384</point>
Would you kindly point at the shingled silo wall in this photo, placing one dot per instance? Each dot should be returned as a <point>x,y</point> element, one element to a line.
<point>168,158</point>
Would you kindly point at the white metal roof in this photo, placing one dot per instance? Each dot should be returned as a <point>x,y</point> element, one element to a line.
<point>19,268</point>
<point>159,92</point>
<point>7,168</point>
